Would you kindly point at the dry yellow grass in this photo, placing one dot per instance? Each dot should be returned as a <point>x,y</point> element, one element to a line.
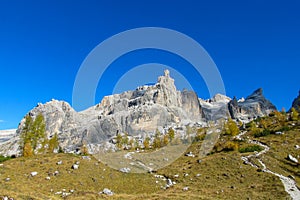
<point>221,175</point>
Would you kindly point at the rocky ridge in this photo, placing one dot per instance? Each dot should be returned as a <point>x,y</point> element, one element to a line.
<point>139,113</point>
<point>296,103</point>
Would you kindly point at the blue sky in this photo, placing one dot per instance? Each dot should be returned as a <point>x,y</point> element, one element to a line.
<point>43,43</point>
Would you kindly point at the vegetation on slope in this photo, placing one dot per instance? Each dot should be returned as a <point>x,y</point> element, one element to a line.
<point>220,175</point>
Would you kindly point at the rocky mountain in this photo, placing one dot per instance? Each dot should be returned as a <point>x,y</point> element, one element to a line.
<point>296,103</point>
<point>216,107</point>
<point>139,113</point>
<point>220,106</point>
<point>253,106</point>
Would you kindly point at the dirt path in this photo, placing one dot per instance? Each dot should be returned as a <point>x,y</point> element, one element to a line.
<point>288,183</point>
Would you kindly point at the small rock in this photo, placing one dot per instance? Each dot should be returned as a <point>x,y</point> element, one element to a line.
<point>199,161</point>
<point>186,174</point>
<point>198,175</point>
<point>72,191</point>
<point>107,192</point>
<point>58,193</point>
<point>7,179</point>
<point>1,164</point>
<point>77,162</point>
<point>56,173</point>
<point>190,154</point>
<point>297,146</point>
<point>65,194</point>
<point>75,166</point>
<point>48,178</point>
<point>125,170</point>
<point>169,182</point>
<point>86,158</point>
<point>291,158</point>
<point>185,188</point>
<point>176,176</point>
<point>59,162</point>
<point>279,133</point>
<point>33,174</point>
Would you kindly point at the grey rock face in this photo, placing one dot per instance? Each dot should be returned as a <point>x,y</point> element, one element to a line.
<point>253,106</point>
<point>138,113</point>
<point>216,107</point>
<point>296,103</point>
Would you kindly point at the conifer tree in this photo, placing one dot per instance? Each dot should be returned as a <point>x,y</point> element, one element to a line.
<point>294,114</point>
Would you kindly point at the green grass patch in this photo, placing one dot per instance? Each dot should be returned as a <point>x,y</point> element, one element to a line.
<point>263,133</point>
<point>3,158</point>
<point>251,148</point>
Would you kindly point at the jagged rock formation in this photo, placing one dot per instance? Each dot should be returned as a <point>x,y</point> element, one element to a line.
<point>296,103</point>
<point>139,113</point>
<point>216,107</point>
<point>253,106</point>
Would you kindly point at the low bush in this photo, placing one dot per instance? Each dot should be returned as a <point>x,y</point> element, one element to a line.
<point>250,149</point>
<point>263,133</point>
<point>230,146</point>
<point>3,158</point>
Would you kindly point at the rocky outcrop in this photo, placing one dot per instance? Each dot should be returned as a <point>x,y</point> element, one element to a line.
<point>139,113</point>
<point>222,107</point>
<point>253,106</point>
<point>296,103</point>
<point>216,107</point>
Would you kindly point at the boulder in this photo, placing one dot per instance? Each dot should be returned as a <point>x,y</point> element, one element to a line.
<point>125,170</point>
<point>33,174</point>
<point>75,166</point>
<point>107,192</point>
<point>291,158</point>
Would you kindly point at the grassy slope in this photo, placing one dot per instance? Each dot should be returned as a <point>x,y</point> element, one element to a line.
<point>222,176</point>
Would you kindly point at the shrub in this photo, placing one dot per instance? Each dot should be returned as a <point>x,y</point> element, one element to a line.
<point>230,128</point>
<point>294,114</point>
<point>263,133</point>
<point>230,146</point>
<point>250,149</point>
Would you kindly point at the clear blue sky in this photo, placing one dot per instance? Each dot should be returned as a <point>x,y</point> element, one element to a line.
<point>43,43</point>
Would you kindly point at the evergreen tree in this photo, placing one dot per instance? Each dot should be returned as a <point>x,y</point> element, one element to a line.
<point>157,140</point>
<point>294,114</point>
<point>27,150</point>
<point>171,134</point>
<point>165,140</point>
<point>125,140</point>
<point>53,143</point>
<point>119,141</point>
<point>146,143</point>
<point>32,133</point>
<point>38,129</point>
<point>230,128</point>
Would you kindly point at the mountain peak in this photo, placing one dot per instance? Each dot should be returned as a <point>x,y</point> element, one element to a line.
<point>259,92</point>
<point>296,102</point>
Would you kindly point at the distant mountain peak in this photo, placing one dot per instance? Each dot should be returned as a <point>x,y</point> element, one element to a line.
<point>296,102</point>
